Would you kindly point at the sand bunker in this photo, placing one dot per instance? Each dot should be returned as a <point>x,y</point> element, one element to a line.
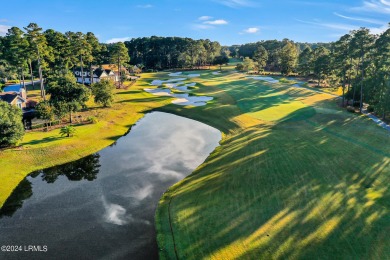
<point>159,91</point>
<point>268,79</point>
<point>180,88</point>
<point>158,82</point>
<point>193,75</point>
<point>173,85</point>
<point>175,74</point>
<point>191,100</point>
<point>183,99</point>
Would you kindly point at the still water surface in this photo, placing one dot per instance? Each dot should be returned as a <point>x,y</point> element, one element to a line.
<point>102,206</point>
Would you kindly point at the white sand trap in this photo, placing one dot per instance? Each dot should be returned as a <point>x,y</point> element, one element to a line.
<point>192,101</point>
<point>159,91</point>
<point>193,75</point>
<point>175,74</point>
<point>158,82</point>
<point>216,73</point>
<point>268,79</point>
<point>180,88</point>
<point>173,85</point>
<point>185,102</point>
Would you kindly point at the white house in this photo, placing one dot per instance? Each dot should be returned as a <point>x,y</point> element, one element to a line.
<point>97,75</point>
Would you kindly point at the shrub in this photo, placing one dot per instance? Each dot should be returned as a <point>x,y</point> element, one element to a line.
<point>370,109</point>
<point>92,119</point>
<point>67,130</point>
<point>351,109</point>
<point>103,92</point>
<point>239,67</point>
<point>11,126</point>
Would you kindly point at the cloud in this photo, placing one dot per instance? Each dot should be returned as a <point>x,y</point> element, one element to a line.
<point>374,6</point>
<point>145,6</point>
<point>208,24</point>
<point>251,30</point>
<point>114,40</point>
<point>366,20</point>
<point>201,26</point>
<point>378,30</point>
<point>334,26</point>
<point>346,27</point>
<point>216,22</point>
<point>4,29</point>
<point>205,18</point>
<point>235,3</point>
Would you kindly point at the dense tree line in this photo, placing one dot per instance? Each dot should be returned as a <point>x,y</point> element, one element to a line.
<point>174,52</point>
<point>359,62</point>
<point>278,52</point>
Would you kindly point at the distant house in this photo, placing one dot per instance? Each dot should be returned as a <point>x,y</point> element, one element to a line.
<point>135,70</point>
<point>97,75</point>
<point>114,68</point>
<point>112,75</point>
<point>13,98</point>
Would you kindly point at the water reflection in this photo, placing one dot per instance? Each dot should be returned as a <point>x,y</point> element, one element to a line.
<point>86,168</point>
<point>15,200</point>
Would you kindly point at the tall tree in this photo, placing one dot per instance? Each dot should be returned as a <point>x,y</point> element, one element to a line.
<point>322,66</point>
<point>288,57</point>
<point>305,62</point>
<point>119,54</point>
<point>260,57</point>
<point>342,60</point>
<point>362,42</point>
<point>81,50</point>
<point>67,95</point>
<point>39,50</point>
<point>61,50</point>
<point>381,77</point>
<point>16,50</point>
<point>96,49</point>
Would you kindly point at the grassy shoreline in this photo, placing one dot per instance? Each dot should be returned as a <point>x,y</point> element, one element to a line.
<point>39,150</point>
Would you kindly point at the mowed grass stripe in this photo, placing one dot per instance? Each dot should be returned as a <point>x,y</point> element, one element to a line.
<point>283,189</point>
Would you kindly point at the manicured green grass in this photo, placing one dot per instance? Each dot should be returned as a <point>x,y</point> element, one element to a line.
<point>283,184</point>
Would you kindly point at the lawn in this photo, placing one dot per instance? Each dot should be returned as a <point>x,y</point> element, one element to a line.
<point>295,177</point>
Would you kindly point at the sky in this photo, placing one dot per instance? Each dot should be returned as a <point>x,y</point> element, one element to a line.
<point>227,21</point>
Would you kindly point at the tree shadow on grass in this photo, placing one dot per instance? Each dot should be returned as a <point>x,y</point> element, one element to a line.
<point>287,191</point>
<point>45,140</point>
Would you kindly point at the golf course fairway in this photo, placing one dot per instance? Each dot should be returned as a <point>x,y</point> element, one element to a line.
<point>294,177</point>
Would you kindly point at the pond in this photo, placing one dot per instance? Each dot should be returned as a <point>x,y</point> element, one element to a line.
<point>103,206</point>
